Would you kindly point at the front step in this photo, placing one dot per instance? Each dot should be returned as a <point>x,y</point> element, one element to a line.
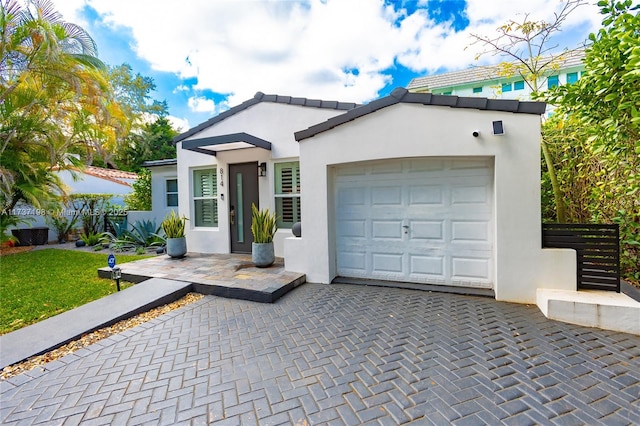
<point>591,308</point>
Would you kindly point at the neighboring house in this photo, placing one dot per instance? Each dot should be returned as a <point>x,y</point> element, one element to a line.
<point>245,155</point>
<point>90,180</point>
<point>413,187</point>
<point>486,81</point>
<point>164,192</point>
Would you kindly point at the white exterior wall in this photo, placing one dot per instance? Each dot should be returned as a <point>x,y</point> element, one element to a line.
<point>273,122</point>
<point>411,130</point>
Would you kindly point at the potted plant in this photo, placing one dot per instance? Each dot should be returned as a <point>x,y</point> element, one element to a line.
<point>263,228</point>
<point>173,227</point>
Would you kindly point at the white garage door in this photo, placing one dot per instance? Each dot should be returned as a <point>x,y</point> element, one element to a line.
<point>416,220</point>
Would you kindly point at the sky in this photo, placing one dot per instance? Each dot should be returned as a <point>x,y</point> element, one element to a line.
<point>206,56</point>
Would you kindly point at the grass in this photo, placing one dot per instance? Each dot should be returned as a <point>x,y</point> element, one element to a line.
<point>39,284</point>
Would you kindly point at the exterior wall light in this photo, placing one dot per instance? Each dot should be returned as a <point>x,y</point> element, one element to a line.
<point>262,169</point>
<point>498,128</point>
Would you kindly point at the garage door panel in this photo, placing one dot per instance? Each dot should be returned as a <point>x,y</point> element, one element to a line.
<point>352,228</point>
<point>476,194</point>
<point>426,230</point>
<point>463,231</point>
<point>387,230</point>
<point>426,194</point>
<point>425,265</point>
<point>352,196</point>
<point>384,263</point>
<point>352,261</point>
<point>466,268</point>
<point>390,195</point>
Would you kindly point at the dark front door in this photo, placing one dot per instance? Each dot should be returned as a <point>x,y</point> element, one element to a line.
<point>243,191</point>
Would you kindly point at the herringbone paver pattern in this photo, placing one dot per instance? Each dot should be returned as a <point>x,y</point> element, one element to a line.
<point>340,355</point>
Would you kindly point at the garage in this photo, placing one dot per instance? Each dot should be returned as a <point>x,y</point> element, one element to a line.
<point>418,220</point>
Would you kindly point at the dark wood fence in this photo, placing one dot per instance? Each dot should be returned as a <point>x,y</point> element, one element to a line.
<point>598,250</point>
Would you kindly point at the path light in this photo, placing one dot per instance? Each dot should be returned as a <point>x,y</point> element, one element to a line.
<point>116,274</point>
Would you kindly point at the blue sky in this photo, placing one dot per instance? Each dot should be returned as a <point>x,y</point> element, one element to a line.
<point>208,55</point>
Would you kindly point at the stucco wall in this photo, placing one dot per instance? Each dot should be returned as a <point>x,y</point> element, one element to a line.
<point>273,122</point>
<point>412,130</point>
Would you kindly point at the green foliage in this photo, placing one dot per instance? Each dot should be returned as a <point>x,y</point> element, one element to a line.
<point>42,283</point>
<point>263,225</point>
<point>595,133</point>
<point>10,221</point>
<point>144,233</point>
<point>91,239</point>
<point>153,142</point>
<point>173,225</point>
<point>62,224</point>
<point>140,198</point>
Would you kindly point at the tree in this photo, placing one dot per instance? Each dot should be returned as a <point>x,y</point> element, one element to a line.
<point>528,46</point>
<point>603,105</point>
<point>140,198</point>
<point>54,99</point>
<point>153,142</point>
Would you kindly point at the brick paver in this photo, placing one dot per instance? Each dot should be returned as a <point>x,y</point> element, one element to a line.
<point>339,355</point>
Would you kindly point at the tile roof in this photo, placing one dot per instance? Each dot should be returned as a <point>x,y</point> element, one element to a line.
<point>261,97</point>
<point>403,95</point>
<point>117,176</point>
<point>571,58</point>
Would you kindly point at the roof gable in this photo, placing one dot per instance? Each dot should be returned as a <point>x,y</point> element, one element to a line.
<point>261,97</point>
<point>401,95</point>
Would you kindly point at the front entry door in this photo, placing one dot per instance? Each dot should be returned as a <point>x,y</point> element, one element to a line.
<point>243,191</point>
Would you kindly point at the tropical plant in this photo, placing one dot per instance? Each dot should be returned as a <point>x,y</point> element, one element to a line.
<point>263,225</point>
<point>61,224</point>
<point>10,221</point>
<point>145,233</point>
<point>91,239</point>
<point>173,225</point>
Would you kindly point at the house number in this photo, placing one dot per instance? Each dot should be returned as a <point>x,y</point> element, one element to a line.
<point>221,176</point>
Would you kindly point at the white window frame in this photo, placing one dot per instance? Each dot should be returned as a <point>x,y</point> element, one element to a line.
<point>213,172</point>
<point>294,194</point>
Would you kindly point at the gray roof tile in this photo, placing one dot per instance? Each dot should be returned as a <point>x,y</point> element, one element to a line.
<point>401,95</point>
<point>261,97</point>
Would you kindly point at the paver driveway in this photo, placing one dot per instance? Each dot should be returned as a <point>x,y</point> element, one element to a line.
<point>340,354</point>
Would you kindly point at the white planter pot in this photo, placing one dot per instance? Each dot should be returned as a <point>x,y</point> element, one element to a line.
<point>177,247</point>
<point>262,254</point>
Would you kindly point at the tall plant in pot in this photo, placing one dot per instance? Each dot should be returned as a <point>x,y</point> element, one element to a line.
<point>173,227</point>
<point>263,228</point>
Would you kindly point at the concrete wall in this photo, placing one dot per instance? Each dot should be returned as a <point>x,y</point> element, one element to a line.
<point>272,122</point>
<point>412,130</point>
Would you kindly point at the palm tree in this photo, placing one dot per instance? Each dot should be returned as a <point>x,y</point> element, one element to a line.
<point>54,99</point>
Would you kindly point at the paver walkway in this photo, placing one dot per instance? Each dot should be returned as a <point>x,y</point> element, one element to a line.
<point>339,354</point>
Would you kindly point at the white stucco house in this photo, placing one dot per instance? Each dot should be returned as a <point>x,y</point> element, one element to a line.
<point>414,188</point>
<point>164,192</point>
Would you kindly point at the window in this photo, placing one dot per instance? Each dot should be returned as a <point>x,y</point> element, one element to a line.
<point>506,87</point>
<point>518,85</point>
<point>171,189</point>
<point>477,90</point>
<point>205,197</point>
<point>287,193</point>
<point>572,77</point>
<point>552,81</point>
<point>446,93</point>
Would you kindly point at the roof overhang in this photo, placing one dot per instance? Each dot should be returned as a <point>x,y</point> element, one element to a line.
<point>214,144</point>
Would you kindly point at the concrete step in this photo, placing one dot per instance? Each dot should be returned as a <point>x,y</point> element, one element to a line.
<point>592,308</point>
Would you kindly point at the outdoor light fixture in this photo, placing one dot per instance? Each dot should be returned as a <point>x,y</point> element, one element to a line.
<point>262,169</point>
<point>116,274</point>
<point>498,128</point>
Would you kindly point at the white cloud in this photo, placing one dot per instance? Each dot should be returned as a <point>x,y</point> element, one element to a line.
<point>179,124</point>
<point>305,48</point>
<point>201,104</point>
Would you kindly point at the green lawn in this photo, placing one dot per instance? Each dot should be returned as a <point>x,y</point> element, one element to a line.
<point>39,284</point>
